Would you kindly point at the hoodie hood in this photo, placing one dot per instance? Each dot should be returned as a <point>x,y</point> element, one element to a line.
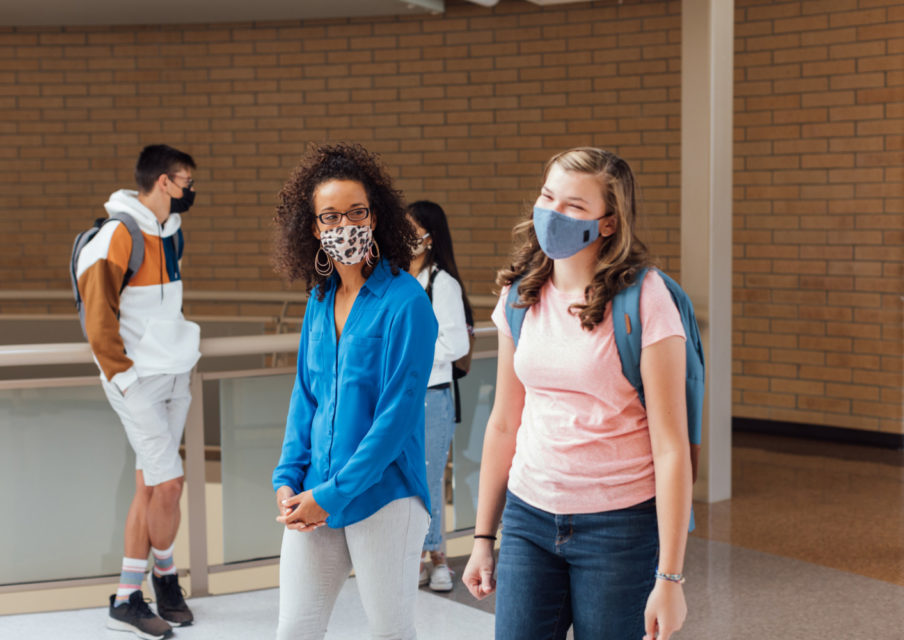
<point>126,201</point>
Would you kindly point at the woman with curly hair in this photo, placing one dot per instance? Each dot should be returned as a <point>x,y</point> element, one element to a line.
<point>592,488</point>
<point>353,453</point>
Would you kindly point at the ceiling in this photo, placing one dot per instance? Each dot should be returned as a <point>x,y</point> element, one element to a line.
<point>118,12</point>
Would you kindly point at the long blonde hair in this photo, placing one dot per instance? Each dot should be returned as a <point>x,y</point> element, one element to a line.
<point>620,254</point>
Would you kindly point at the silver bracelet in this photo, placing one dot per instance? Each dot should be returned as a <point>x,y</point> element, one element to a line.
<point>677,578</point>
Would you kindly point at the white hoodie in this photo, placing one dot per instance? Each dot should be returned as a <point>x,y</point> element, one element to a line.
<point>150,334</point>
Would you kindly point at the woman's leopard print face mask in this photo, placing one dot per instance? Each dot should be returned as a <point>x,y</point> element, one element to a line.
<point>347,244</point>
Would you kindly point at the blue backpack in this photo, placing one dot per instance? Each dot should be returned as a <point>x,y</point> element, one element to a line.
<point>628,339</point>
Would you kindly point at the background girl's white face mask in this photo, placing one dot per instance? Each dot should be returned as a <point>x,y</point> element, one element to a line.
<point>421,245</point>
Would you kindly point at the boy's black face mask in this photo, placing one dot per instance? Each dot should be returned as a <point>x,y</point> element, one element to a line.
<point>183,204</point>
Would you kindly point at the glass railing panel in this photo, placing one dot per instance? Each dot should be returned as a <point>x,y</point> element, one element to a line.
<point>252,422</point>
<point>477,391</point>
<point>67,476</point>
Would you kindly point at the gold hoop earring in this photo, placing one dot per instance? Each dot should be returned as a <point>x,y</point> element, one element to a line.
<point>325,267</point>
<point>373,256</point>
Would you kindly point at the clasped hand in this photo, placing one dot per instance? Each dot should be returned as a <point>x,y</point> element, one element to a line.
<point>299,512</point>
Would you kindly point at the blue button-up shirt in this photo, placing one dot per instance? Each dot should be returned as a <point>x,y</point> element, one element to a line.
<point>355,429</point>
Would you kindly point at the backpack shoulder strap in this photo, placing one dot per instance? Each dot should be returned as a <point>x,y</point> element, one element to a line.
<point>429,288</point>
<point>629,332</point>
<point>136,257</point>
<point>77,245</point>
<point>514,315</point>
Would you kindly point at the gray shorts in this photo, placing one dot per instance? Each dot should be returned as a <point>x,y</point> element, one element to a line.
<point>153,411</point>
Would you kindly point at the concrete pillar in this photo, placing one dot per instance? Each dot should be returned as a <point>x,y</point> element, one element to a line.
<point>707,55</point>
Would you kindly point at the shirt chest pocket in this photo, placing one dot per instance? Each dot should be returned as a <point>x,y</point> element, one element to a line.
<point>360,361</point>
<point>318,360</point>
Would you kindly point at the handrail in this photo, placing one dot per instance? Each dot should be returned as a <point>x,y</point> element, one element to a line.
<point>479,301</point>
<point>482,301</point>
<point>188,294</point>
<point>80,352</point>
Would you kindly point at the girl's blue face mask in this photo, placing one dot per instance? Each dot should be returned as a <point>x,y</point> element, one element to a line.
<point>560,236</point>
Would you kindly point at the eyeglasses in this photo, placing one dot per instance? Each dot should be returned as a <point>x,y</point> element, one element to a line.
<point>188,185</point>
<point>332,218</point>
<point>422,239</point>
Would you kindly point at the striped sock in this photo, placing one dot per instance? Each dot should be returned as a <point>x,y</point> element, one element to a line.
<point>163,561</point>
<point>130,579</point>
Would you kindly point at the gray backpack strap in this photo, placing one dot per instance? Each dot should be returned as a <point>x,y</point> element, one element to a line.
<point>137,255</point>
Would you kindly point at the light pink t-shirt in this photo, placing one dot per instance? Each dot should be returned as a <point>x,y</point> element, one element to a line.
<point>583,445</point>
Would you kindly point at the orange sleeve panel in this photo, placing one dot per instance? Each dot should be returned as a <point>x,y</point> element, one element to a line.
<point>99,286</point>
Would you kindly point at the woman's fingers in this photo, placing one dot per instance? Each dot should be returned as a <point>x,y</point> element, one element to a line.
<point>291,500</point>
<point>305,526</point>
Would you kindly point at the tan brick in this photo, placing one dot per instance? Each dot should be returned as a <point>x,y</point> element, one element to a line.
<point>769,399</point>
<point>857,50</point>
<point>771,11</point>
<point>820,403</point>
<point>857,18</point>
<point>891,410</point>
<point>745,383</point>
<point>826,373</point>
<point>885,95</point>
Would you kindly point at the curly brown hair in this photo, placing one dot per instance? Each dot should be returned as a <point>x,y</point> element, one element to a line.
<point>620,255</point>
<point>294,243</point>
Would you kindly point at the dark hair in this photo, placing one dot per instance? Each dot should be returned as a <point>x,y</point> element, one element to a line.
<point>432,218</point>
<point>620,255</point>
<point>157,159</point>
<point>294,243</point>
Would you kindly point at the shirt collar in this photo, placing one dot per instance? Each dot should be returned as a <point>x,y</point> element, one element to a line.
<point>376,283</point>
<point>379,279</point>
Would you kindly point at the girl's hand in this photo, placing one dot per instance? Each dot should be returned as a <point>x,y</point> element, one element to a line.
<point>666,610</point>
<point>478,574</point>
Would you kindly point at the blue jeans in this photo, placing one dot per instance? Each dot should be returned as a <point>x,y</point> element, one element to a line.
<point>440,425</point>
<point>592,570</point>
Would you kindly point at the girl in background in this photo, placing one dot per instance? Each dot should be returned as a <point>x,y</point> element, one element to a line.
<point>434,267</point>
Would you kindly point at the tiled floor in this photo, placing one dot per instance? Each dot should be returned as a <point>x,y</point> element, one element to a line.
<point>834,505</point>
<point>810,546</point>
<point>252,616</point>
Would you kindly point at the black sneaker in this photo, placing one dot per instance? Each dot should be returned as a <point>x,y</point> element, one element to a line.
<point>170,602</point>
<point>136,616</point>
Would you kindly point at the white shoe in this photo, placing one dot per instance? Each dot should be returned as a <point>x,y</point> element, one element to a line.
<point>424,577</point>
<point>441,578</point>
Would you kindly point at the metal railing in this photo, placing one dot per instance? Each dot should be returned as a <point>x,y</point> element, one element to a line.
<point>200,567</point>
<point>68,353</point>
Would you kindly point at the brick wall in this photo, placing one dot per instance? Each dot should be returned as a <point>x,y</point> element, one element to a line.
<point>819,212</point>
<point>465,108</point>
